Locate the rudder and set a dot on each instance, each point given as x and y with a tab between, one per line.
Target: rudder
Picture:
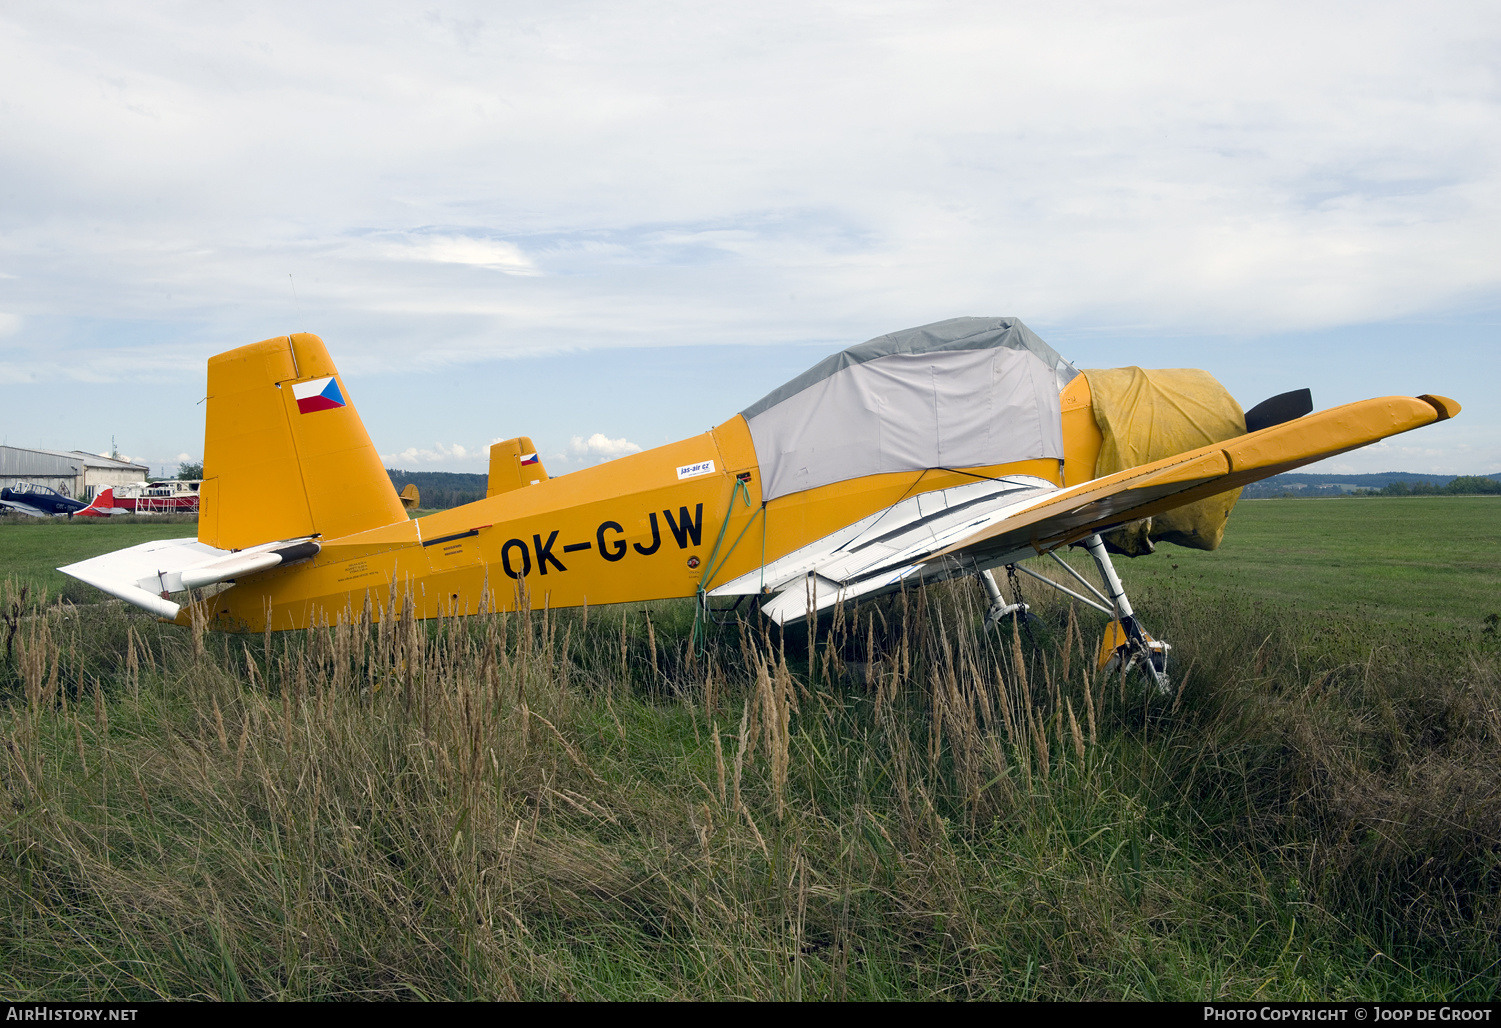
285	454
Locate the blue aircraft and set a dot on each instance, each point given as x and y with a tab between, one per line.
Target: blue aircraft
40	501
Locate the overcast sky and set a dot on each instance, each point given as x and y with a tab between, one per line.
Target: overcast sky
609	225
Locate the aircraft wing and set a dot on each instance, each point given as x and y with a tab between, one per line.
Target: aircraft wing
24	508
1141	492
965	530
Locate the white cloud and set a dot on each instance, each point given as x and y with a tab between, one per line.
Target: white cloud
494	254
439	454
507	179
657	174
600	447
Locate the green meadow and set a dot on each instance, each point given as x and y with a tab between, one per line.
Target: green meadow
31	549
581	804
1405	563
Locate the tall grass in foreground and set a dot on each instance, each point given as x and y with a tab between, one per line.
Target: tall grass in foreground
574	805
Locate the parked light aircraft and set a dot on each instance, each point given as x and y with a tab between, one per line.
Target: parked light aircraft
936	452
41	502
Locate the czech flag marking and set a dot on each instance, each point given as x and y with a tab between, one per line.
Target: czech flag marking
529	458
319	394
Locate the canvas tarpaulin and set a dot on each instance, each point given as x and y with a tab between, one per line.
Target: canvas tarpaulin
962	393
1146	416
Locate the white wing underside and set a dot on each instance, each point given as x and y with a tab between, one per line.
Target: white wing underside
878	553
147	574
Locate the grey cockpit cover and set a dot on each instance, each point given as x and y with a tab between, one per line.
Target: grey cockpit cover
962	393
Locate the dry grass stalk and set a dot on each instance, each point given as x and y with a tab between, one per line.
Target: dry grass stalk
456	808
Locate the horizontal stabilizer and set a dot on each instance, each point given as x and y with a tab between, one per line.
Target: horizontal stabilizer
248	562
146	575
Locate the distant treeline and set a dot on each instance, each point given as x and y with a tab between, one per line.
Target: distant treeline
441	489
1461	485
1389	483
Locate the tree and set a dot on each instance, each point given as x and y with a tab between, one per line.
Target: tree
187	471
1474	484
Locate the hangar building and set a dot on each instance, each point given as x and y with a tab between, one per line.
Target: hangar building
71	472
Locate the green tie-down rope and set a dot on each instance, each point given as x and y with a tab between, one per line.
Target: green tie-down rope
715	564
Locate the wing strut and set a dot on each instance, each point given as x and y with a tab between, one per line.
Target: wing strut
1065	590
1124	638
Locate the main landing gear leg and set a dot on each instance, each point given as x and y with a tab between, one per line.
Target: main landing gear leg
999	608
1124	639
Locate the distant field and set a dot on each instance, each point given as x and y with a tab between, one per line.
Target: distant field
31	548
1435	561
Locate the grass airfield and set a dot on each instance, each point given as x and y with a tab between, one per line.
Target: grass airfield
31	549
1430	565
561	805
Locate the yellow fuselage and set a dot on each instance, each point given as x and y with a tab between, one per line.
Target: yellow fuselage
626	530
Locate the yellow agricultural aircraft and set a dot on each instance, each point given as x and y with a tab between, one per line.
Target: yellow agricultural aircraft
927	454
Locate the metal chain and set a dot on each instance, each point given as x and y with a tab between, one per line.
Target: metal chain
1021	610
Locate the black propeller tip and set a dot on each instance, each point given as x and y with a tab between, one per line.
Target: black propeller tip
1279	409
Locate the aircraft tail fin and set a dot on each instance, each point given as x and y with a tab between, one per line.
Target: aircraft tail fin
514	463
285	454
102	505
